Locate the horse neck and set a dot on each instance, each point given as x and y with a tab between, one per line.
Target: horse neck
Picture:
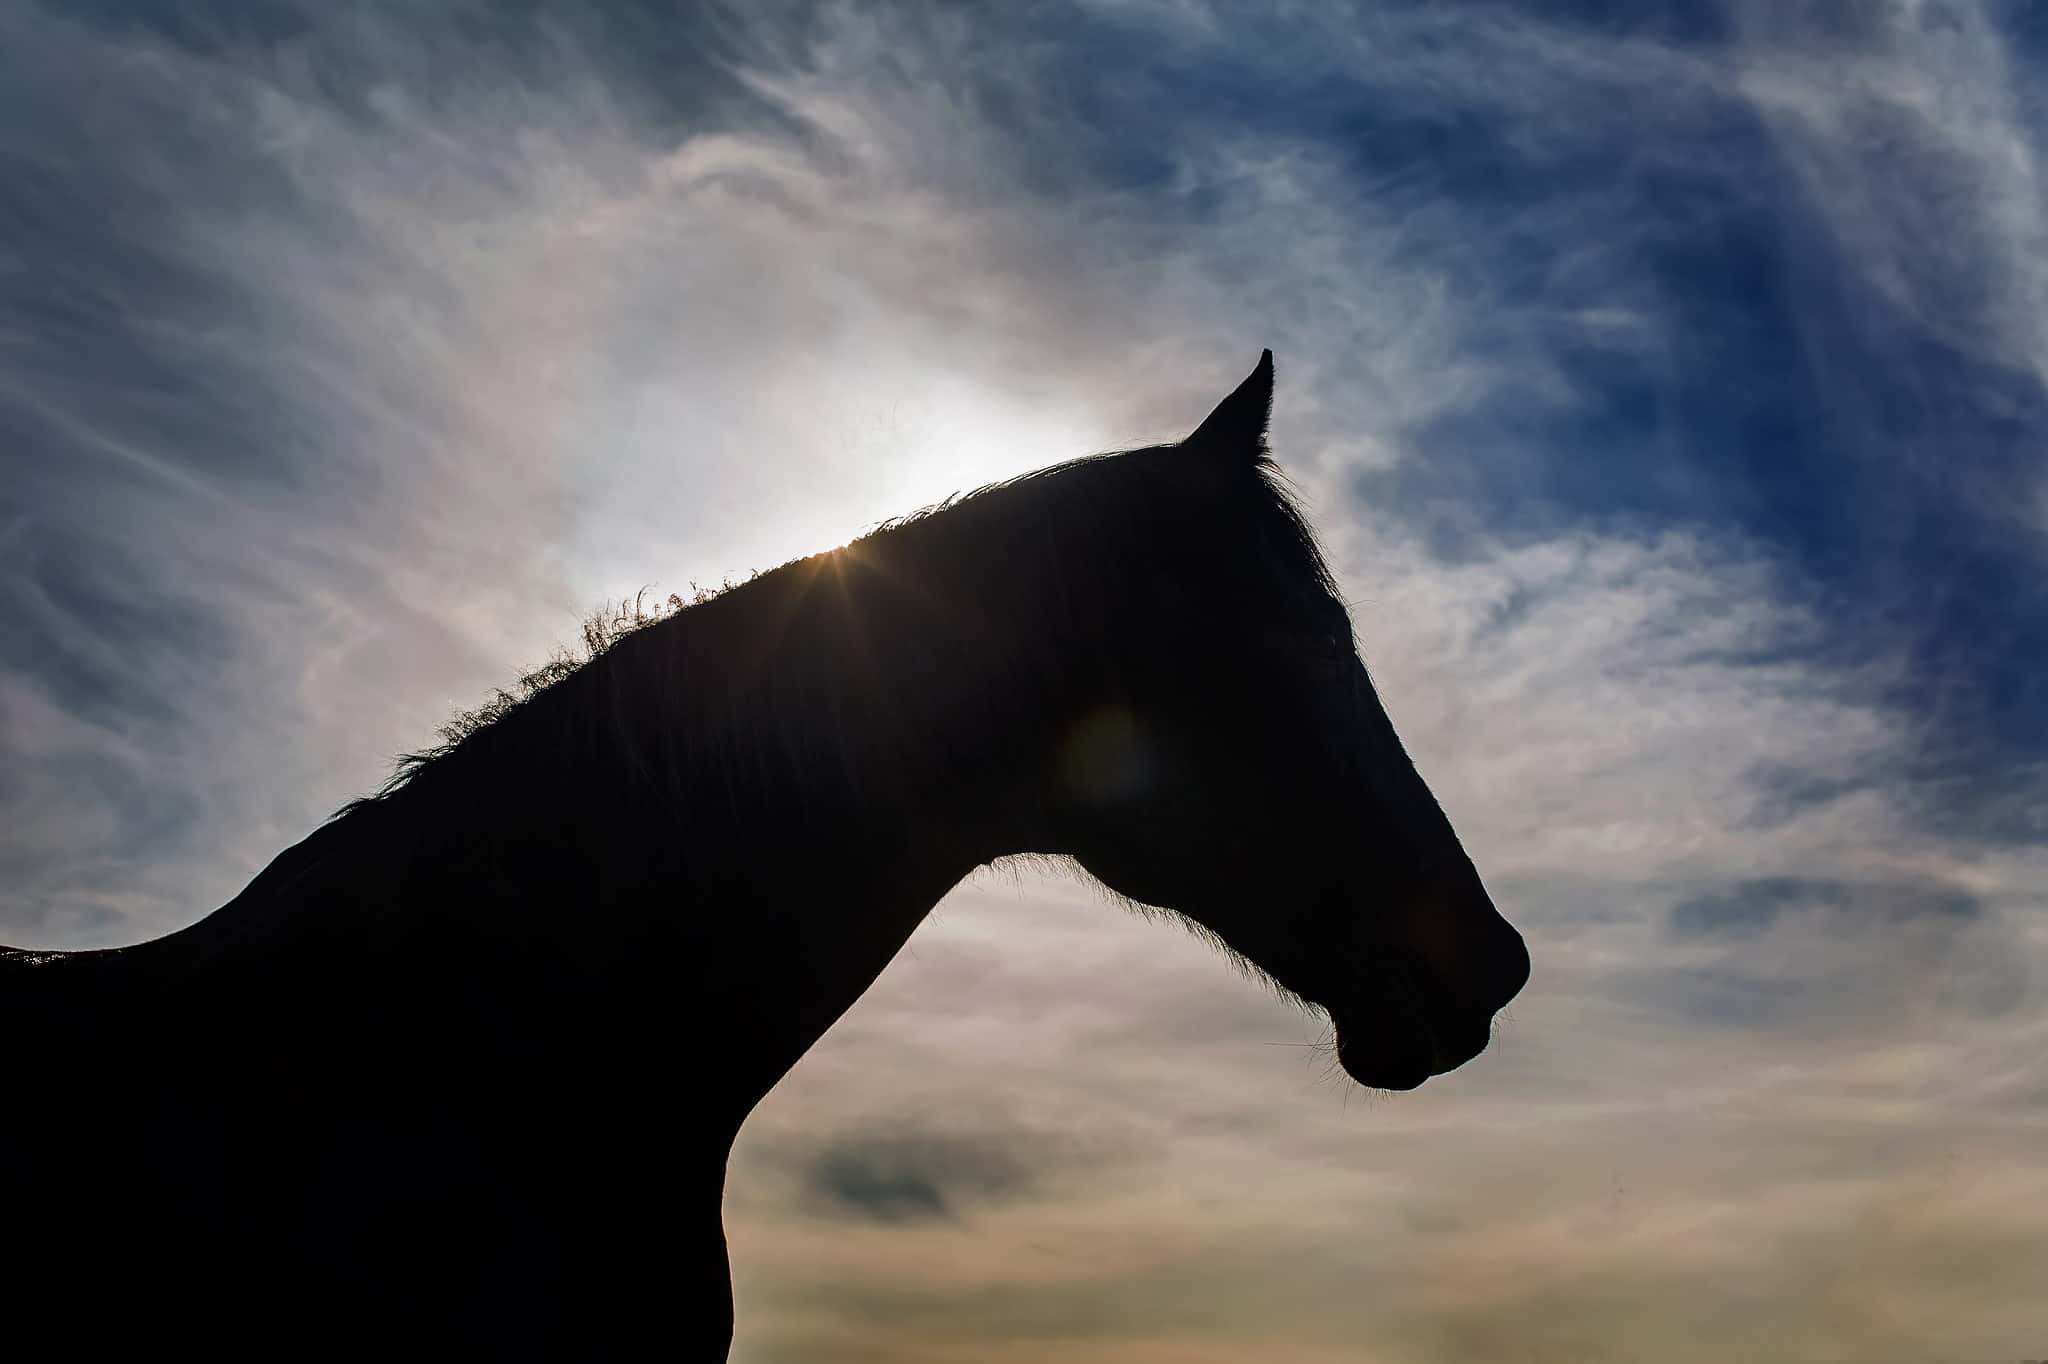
856	733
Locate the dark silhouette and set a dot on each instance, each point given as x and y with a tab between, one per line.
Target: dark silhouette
459	1072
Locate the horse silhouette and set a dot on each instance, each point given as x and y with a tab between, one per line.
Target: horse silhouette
460	1071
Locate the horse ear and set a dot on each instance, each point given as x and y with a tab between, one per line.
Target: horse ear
1237	428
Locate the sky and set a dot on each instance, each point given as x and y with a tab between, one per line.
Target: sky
1667	382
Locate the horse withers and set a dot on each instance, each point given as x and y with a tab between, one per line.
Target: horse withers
460	1072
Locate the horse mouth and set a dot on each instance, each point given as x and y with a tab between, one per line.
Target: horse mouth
1406	1030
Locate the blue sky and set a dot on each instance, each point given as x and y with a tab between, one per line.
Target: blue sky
1667	381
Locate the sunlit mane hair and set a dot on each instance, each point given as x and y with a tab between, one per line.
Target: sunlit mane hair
602	629
1079	521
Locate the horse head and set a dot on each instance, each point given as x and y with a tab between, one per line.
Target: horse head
1237	767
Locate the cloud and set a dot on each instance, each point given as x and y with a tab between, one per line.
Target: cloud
904	1179
895	1172
1752	907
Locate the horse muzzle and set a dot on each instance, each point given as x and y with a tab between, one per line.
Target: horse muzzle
1408	1020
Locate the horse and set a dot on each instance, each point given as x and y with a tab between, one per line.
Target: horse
461	1070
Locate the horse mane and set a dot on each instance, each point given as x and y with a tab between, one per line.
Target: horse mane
603	628
1053	497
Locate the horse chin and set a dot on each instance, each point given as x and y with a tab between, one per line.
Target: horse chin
1386	1053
